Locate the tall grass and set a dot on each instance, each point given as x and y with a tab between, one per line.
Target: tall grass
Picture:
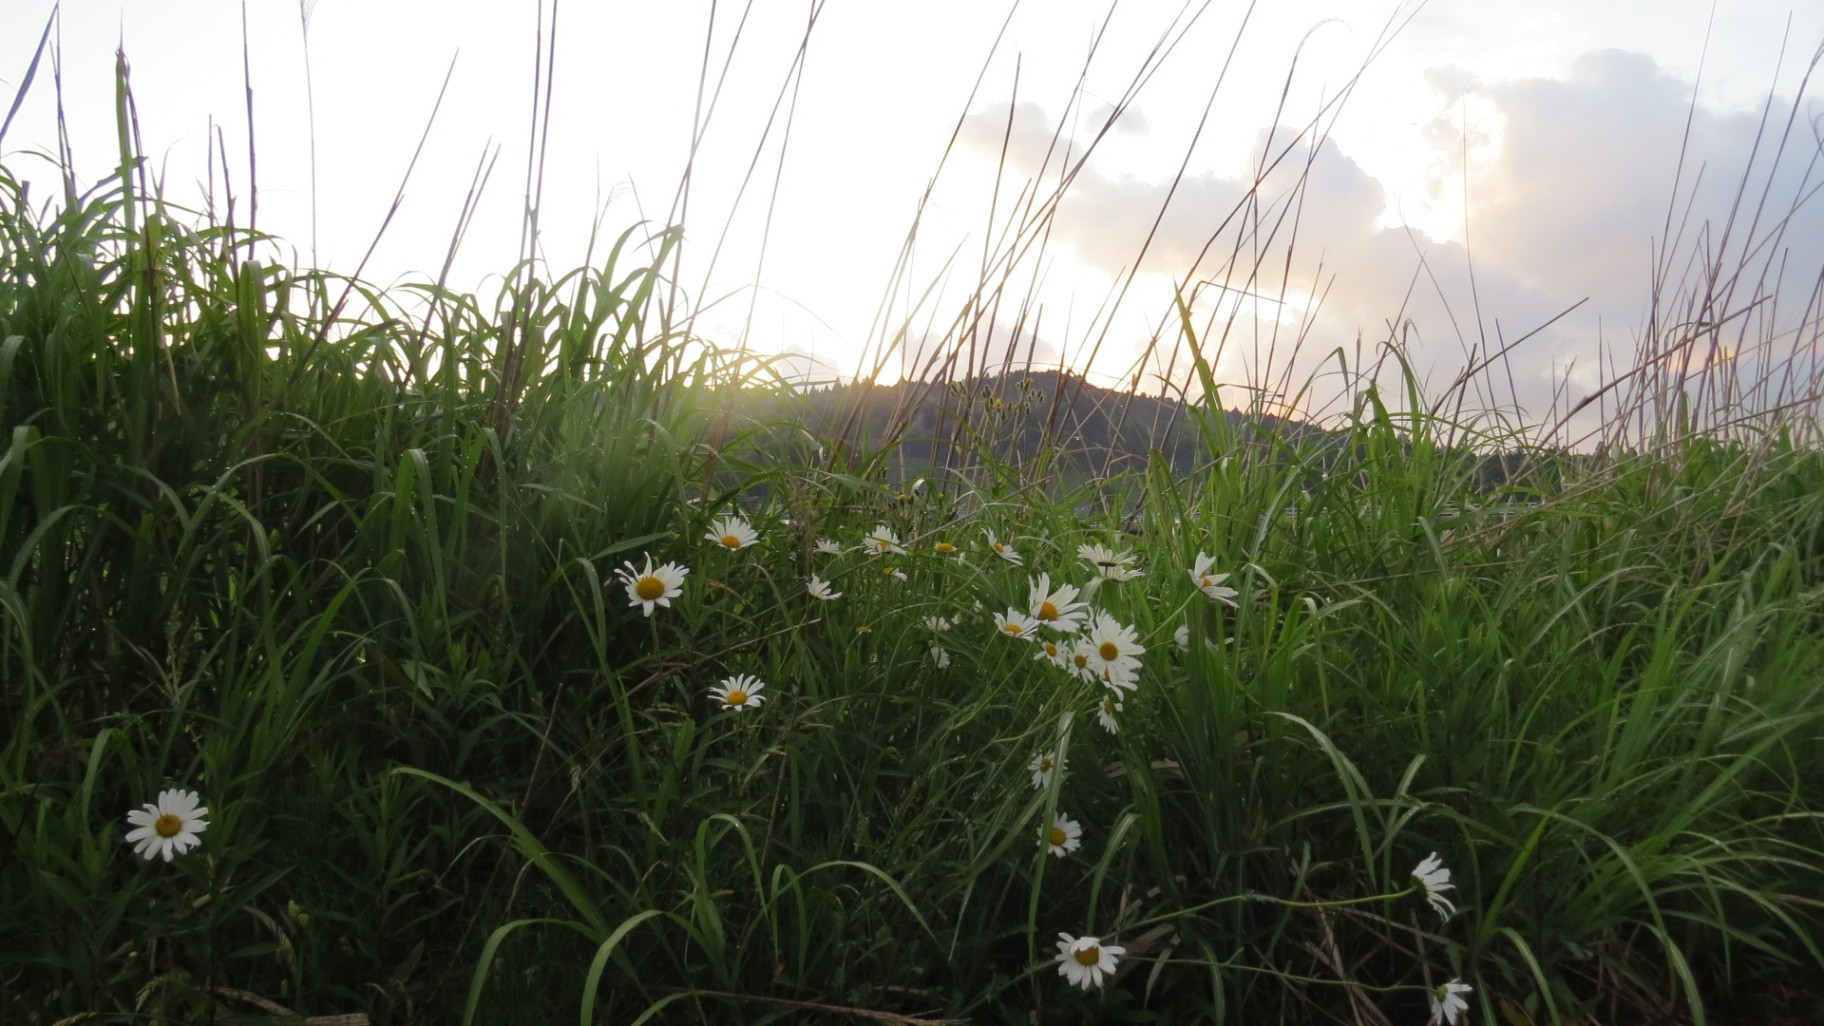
343	561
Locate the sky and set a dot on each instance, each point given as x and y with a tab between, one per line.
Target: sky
1312	177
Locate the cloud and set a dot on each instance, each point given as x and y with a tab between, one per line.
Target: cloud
1373	282
1570	182
1576	202
1133	120
803	369
1029	138
994	349
1584	174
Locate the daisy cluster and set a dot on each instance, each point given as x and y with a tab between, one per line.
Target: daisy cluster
1068	626
1073	629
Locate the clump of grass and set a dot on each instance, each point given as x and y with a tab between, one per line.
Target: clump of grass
309	549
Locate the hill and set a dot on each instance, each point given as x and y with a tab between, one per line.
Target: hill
1055	422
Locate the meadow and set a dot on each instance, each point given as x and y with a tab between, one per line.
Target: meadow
525	680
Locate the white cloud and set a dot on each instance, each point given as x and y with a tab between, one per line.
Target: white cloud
992	349
1570	181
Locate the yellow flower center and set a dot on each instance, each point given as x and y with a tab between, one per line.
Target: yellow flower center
944	548
1208	580
731	541
1109	651
1090	955
1051	649
1057	835
864	629
997	546
883	545
168	825
1014	629
890	571
1048	611
649	588
1079	659
1045	764
737	697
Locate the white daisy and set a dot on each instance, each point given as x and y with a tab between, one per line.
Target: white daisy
732	533
894	572
1115	566
167	827
1065	836
1114	649
1097	555
1106	710
1043	766
1436	878
1447	1002
937	623
828	547
940	657
652	586
1121	676
1003	550
739	692
1059	609
944	548
1085	961
1182	637
1052	652
1078	661
1211	584
1015	624
881	541
818	588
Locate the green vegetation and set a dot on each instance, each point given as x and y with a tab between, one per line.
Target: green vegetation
344	563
